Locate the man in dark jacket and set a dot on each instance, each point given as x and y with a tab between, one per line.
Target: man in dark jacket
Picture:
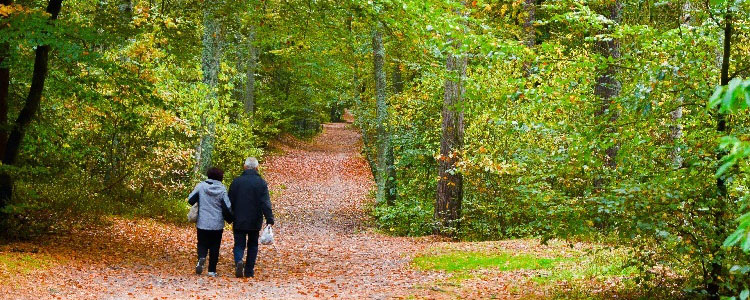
248	195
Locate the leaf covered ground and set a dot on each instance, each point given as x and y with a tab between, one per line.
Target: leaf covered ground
324	247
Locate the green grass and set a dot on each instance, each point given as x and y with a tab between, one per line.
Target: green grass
462	261
22	263
579	269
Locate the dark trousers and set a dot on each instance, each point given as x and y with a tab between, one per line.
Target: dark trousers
209	241
249	239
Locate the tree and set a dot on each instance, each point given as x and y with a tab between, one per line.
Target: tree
607	86
719	210
384	157
211	60
17	130
529	7
450	180
252	62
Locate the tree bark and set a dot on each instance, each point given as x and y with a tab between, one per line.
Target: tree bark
211	59
29	110
392	187
676	115
4	90
716	268
529	7
252	62
383	180
450	180
607	87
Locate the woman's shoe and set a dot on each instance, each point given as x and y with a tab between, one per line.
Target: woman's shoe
199	266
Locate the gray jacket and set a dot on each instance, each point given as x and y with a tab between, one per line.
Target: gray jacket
210	194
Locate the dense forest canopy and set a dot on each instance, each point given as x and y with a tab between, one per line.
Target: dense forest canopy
610	120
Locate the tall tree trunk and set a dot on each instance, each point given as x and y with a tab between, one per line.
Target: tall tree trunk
211	59
722	128
607	87
28	112
450	180
391	187
252	62
676	115
381	118
529	7
4	90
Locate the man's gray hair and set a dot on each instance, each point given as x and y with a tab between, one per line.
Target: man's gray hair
251	163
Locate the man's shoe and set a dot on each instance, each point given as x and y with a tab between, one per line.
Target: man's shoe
238	267
211	274
199	266
249	273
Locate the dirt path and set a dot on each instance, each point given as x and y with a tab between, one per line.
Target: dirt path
323	247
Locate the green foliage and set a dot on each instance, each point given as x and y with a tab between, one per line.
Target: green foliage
125	107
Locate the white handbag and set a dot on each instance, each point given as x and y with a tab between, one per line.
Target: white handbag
266	238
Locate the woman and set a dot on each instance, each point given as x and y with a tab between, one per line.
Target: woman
213	206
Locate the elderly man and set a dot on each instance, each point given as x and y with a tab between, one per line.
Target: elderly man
248	195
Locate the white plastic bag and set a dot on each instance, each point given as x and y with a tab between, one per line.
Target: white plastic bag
266	237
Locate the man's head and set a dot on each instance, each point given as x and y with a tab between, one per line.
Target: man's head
251	163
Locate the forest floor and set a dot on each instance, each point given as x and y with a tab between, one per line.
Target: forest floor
325	247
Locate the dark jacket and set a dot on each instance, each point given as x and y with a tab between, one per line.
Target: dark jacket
250	201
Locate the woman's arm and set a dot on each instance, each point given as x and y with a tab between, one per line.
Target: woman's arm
194	195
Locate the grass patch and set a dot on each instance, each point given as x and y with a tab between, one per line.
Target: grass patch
462	261
22	263
555	271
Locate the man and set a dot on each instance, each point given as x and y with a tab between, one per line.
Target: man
248	195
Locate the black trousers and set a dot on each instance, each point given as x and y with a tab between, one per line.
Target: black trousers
247	239
209	242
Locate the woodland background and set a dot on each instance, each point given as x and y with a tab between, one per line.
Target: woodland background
582	120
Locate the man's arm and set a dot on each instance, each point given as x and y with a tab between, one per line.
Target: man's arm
231	195
265	205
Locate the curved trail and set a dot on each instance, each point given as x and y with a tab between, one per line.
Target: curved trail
324	248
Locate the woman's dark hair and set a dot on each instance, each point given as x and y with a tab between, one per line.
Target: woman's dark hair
215	174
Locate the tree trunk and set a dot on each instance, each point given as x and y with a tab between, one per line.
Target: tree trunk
28	112
392	188
211	59
716	269
381	118
450	181
676	115
4	90
529	7
608	87
250	73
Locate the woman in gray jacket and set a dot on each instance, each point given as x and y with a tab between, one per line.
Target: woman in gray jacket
213	207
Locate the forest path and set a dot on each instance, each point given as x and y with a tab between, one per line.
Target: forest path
324	248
